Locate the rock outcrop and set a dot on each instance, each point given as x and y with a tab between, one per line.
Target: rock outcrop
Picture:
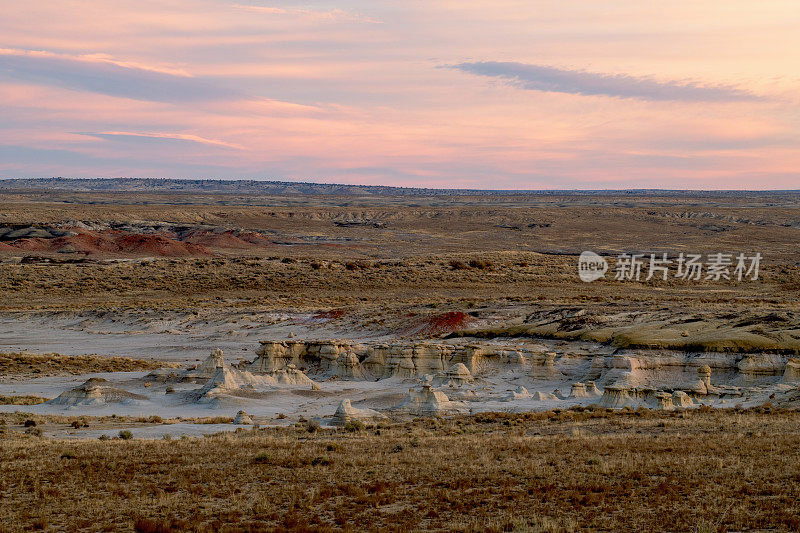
578	390
455	376
703	384
426	402
760	368
791	373
96	392
520	393
346	413
681	399
543	365
543	396
290	375
664	401
207	368
242	418
592	391
231	384
407	359
347	366
617	397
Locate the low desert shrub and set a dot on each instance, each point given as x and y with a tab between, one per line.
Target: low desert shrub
353	426
261	458
481	264
125	434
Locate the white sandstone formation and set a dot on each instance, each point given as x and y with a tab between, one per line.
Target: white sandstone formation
96	392
520	393
578	390
542	365
681	399
426	402
592	391
791	373
229	383
543	396
348	367
346	412
634	369
513	357
291	375
664	400
617	397
207	368
596	368
456	376
758	368
464	395
242	419
375	362
270	356
703	385
221	382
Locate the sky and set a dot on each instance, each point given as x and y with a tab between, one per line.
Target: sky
501	94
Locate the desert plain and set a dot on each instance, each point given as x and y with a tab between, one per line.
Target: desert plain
223	356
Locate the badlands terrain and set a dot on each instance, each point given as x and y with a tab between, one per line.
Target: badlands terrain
284	356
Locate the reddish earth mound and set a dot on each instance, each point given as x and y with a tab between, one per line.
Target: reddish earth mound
157	245
440	324
31	245
227	239
86	243
111	242
324	316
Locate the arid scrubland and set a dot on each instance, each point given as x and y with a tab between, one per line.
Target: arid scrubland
553	471
471	302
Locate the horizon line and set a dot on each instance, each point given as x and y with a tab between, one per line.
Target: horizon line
399	187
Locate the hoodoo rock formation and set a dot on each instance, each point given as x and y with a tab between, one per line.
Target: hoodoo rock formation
346	413
427	402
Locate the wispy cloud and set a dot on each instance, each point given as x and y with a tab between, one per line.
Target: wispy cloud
553	79
139	136
333	15
105	75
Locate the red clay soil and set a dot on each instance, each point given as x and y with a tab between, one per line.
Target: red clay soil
324	316
157	245
109	242
87	243
440	324
30	245
227	239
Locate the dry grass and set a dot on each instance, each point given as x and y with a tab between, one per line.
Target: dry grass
21	400
710	471
24	365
